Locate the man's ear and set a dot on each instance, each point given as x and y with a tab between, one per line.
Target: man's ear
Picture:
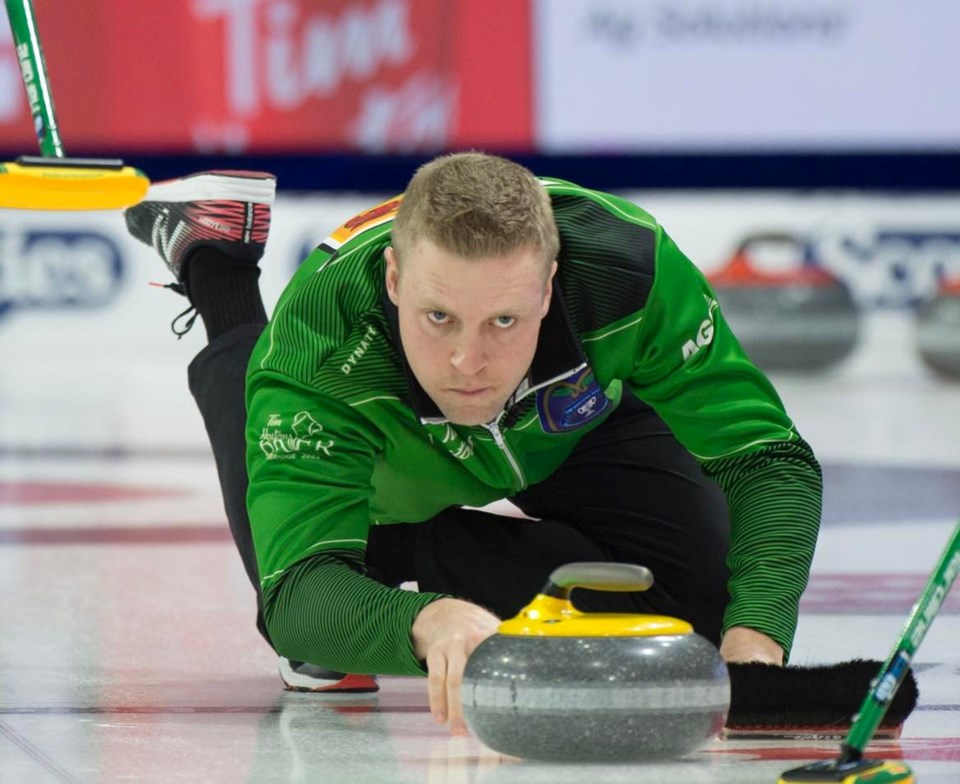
392	274
548	293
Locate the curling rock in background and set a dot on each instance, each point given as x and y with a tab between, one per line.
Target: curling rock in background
800	319
938	330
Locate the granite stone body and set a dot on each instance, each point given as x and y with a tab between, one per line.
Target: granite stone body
938	333
596	698
796	326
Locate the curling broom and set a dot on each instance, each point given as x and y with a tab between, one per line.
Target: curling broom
851	767
52	181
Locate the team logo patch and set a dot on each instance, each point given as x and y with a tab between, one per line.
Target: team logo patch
571	402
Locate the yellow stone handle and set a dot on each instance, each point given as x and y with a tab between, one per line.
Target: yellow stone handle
551	614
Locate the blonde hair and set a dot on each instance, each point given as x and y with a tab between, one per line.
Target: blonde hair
476	205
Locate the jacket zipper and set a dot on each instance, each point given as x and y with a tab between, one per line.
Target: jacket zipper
494	428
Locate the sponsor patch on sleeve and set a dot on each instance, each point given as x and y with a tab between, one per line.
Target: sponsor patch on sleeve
301	436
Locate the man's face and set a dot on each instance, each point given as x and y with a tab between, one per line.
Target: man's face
469	327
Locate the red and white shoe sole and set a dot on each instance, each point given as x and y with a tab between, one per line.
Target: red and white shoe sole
348	684
222	185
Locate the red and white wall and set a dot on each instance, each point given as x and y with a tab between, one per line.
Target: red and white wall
572	76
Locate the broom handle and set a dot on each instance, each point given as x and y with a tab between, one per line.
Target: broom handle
34	72
885	685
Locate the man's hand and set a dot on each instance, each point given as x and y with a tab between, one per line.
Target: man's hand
741	645
444	635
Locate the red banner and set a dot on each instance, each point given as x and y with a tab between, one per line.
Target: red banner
279	75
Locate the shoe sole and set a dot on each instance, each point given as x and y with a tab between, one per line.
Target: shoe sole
254	187
348	684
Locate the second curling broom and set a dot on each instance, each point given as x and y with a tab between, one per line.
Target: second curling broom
851	767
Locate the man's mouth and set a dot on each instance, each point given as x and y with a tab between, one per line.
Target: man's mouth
469	392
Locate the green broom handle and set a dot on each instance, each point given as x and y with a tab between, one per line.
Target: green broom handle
885	685
34	72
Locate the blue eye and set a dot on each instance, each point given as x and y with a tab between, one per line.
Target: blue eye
438	317
504	321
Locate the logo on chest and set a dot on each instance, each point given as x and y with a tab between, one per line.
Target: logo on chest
571	402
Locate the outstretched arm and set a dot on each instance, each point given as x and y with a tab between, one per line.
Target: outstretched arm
325	612
691	369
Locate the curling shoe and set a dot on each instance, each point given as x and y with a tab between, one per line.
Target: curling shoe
226	210
303	676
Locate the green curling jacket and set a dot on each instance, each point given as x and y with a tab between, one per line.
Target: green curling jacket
341	437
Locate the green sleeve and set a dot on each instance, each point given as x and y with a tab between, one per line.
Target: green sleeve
774	496
310	462
326	612
694	373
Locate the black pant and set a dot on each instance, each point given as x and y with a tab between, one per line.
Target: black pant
629	492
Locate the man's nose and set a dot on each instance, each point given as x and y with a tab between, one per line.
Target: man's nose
470	355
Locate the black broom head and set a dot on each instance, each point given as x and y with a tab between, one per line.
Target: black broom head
809	703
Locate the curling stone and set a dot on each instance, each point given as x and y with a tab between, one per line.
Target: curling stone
938	330
801	319
559	684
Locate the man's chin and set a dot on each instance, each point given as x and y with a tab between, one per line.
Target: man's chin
471	415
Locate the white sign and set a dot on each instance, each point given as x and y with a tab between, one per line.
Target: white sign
743	75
